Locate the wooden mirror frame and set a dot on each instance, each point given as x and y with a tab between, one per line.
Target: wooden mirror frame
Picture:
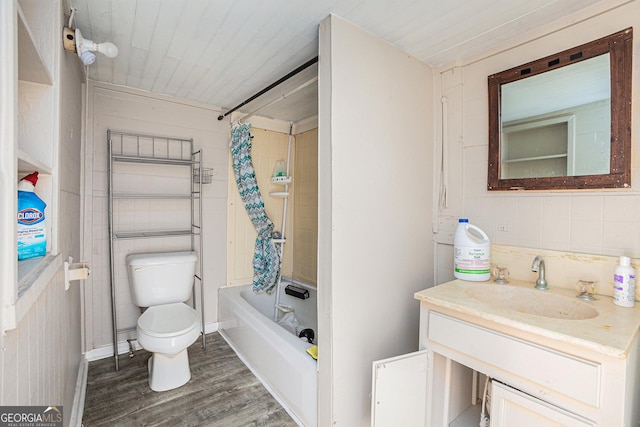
620	48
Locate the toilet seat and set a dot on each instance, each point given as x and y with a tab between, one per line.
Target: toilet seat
168	320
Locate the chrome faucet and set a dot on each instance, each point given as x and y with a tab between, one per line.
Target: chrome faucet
538	266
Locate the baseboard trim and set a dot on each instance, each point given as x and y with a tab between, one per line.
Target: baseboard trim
77	410
106	351
211	327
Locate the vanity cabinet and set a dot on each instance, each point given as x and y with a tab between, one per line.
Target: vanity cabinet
544	371
511	407
556	376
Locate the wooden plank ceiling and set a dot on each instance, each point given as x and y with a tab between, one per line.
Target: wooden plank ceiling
220	52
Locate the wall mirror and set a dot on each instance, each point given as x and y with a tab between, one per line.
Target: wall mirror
564	121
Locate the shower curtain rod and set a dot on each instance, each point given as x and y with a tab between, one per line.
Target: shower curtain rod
271	86
280	98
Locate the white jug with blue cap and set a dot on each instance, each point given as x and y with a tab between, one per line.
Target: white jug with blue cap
472	253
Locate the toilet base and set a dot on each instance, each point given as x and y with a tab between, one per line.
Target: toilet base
168	372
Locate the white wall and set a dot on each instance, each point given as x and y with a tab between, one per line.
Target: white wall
375	192
113	107
40	360
595	222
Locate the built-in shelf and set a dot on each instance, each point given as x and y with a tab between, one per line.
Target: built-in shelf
538	147
28	269
34	118
32	68
529	159
31	65
27	164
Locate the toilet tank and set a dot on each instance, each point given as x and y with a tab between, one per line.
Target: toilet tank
161	278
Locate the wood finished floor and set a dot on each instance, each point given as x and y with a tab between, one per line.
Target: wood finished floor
222	392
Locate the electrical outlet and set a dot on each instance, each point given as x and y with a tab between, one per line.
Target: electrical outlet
503	227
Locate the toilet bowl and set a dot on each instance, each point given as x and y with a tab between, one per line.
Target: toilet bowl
162	282
167	331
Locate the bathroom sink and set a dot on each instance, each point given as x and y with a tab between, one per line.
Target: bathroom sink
532	301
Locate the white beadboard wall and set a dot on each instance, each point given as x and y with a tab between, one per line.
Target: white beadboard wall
591	222
118	108
42	356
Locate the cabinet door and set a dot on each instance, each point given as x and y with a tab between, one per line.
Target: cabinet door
399	395
510	407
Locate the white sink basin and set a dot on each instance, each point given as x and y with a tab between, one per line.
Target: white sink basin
532	301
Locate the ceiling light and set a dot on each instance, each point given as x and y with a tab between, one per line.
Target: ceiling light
85	48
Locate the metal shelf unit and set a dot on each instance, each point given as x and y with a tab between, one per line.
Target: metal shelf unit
127	147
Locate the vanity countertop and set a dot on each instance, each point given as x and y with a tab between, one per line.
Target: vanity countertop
612	332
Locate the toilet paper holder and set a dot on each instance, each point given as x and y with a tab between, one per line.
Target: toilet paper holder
77	271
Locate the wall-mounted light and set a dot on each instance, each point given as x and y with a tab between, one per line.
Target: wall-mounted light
85	48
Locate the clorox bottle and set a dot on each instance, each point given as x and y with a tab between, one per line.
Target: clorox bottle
32	229
472	253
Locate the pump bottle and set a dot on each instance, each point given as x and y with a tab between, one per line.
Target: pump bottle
624	283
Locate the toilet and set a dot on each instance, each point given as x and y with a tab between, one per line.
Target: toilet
161	282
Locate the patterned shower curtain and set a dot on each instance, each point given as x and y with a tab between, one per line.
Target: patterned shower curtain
266	258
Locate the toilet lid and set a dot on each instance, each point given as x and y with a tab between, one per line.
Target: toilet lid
168	320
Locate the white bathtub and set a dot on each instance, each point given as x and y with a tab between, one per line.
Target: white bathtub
277	357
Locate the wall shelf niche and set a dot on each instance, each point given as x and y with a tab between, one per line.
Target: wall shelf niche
31	64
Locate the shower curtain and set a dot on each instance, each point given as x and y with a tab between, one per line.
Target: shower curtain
266	257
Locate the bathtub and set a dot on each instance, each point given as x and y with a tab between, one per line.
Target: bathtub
276	356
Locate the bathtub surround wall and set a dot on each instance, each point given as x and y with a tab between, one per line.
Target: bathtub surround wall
41	359
589	222
114	107
267	260
300	251
267	147
305	208
374	203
